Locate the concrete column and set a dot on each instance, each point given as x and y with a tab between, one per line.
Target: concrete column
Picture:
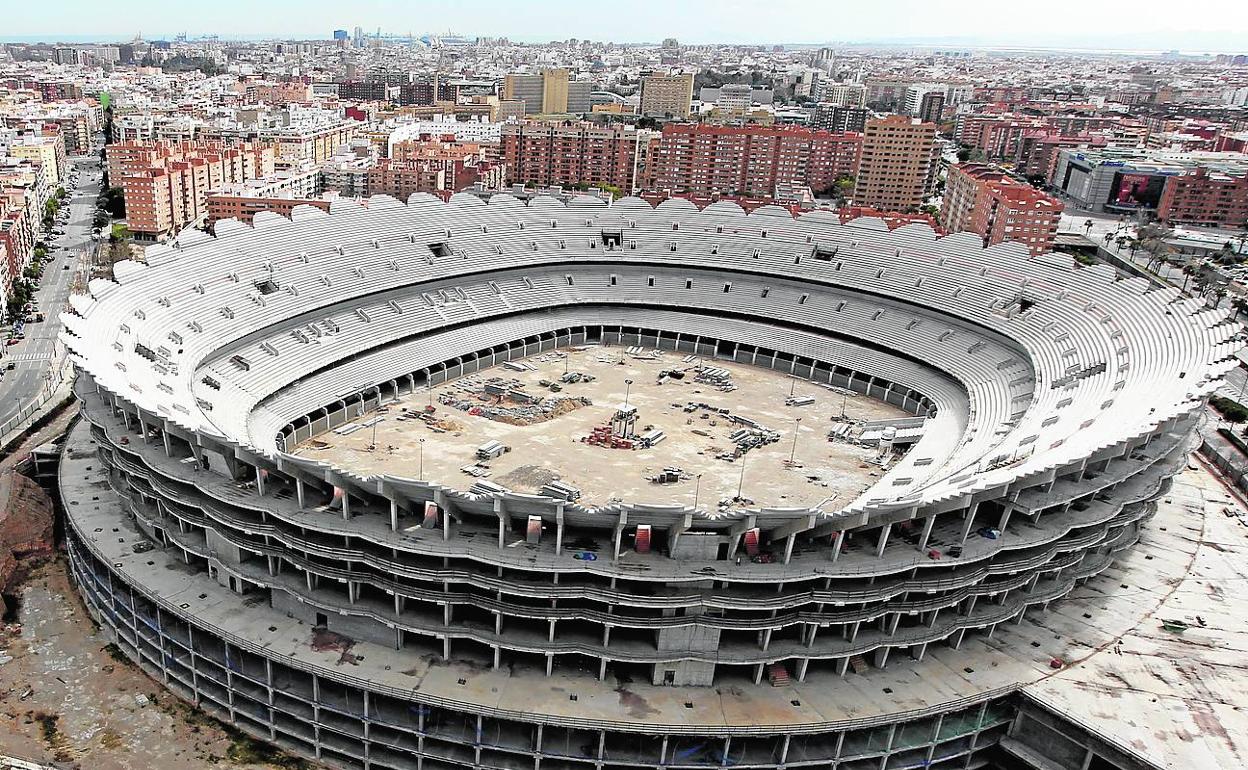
838	539
346	504
788	547
883	541
558	529
970	521
299	493
501	513
259	476
927	532
394	516
618	538
881	656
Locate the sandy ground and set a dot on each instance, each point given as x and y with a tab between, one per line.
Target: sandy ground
82	707
824	471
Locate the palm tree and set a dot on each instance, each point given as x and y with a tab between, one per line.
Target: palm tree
1087	226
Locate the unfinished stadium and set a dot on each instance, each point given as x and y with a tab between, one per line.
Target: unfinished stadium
505	485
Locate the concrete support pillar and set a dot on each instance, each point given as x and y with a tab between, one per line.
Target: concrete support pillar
881	656
838	540
299	492
618	537
558	529
969	521
842	666
955	641
788	547
260	479
346	504
918	651
501	512
927	532
883	541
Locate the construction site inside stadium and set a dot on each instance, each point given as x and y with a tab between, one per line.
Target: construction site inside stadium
571	486
611	423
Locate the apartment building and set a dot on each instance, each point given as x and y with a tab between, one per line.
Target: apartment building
166	185
1211	197
44	149
550	92
572	153
897	163
838	119
432	165
296	145
667	96
750	160
982	199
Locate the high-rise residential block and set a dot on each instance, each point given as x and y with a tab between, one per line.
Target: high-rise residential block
550	92
667	96
572	153
838	119
750	160
897	163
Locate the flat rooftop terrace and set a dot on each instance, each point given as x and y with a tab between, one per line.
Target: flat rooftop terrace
824	474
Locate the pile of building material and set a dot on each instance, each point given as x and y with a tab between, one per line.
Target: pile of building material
486	488
560	490
751	435
637	351
716	377
669	475
603	436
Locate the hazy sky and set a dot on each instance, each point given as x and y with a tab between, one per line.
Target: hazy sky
1207	25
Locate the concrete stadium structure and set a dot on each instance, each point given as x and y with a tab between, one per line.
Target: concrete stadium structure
390	622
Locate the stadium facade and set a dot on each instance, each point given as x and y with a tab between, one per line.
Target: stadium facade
393	622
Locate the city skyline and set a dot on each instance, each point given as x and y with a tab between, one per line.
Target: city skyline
1067	25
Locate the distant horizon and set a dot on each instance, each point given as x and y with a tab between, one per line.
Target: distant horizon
1106	25
191	38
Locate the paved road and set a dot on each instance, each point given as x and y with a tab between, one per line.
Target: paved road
32	357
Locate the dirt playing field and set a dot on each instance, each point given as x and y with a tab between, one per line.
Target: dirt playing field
548	445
